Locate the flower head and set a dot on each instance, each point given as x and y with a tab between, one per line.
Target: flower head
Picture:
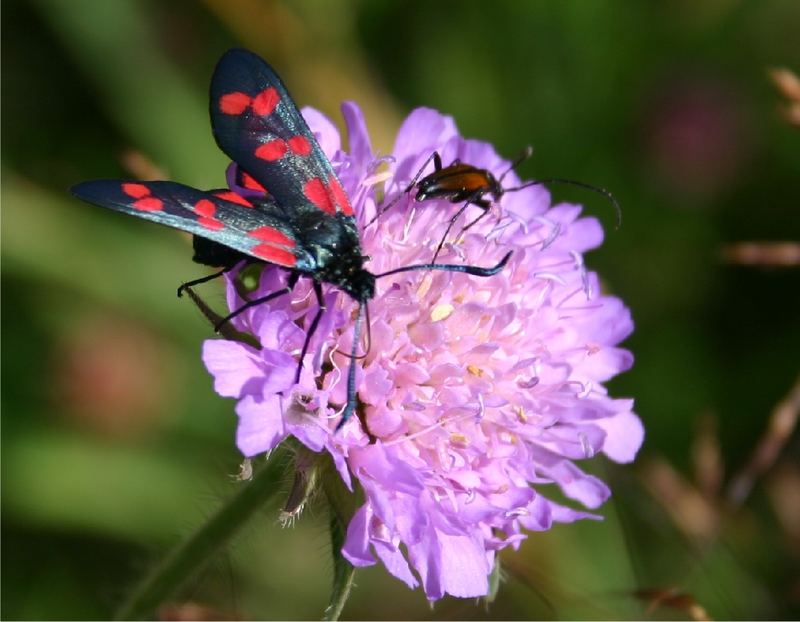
478	394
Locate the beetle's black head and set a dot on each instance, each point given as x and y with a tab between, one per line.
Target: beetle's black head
494	186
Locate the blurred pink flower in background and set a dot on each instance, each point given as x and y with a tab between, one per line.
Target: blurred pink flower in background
697	135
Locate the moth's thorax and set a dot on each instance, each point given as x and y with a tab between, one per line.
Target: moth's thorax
335	255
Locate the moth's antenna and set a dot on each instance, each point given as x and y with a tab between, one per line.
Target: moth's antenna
351	372
467	269
369	340
369	330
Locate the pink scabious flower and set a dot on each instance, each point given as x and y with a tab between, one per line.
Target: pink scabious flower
479	394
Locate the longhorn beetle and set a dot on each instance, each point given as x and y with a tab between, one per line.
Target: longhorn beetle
460	181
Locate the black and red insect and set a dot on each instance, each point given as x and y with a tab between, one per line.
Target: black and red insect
460	181
298	216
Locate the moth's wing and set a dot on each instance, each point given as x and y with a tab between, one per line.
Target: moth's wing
256	229
257	124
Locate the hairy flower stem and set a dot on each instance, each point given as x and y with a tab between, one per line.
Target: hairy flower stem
343	571
192	554
341	506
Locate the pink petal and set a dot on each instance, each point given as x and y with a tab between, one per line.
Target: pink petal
323	129
452	564
356	544
260	427
419	134
358	142
624	436
396	564
235	366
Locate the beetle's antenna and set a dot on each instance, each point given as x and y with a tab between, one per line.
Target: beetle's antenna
526	153
570	182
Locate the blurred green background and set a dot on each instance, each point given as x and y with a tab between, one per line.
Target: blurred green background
115	447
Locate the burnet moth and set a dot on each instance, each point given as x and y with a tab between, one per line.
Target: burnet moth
298	216
460	181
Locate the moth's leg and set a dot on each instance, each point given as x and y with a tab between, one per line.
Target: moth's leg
204	279
257	301
311	329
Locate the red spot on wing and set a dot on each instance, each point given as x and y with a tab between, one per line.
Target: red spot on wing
206	210
233	198
317	193
299	145
149	204
211	223
250	183
264	103
137	191
276	148
272	235
204	207
272	150
340	196
273	254
234	103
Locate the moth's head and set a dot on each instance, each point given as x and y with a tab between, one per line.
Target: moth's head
360	285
